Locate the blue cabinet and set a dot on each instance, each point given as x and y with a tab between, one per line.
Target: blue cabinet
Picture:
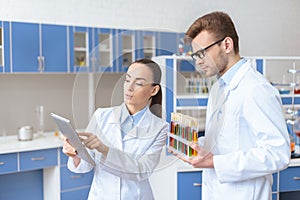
104	51
126	41
73	184
81	44
290	179
31	160
54	48
8	163
25	47
70	180
34	47
146	44
167	43
80	194
38	48
189	185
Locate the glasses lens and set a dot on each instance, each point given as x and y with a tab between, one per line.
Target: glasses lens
198	55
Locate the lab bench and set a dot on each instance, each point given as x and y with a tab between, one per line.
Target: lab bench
37	170
286	183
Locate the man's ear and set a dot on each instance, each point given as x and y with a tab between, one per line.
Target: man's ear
228	44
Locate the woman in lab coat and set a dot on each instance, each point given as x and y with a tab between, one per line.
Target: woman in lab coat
246	137
125	141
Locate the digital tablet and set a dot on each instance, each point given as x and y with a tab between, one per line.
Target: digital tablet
64	125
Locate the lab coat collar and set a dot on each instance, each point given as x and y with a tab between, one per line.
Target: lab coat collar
140	129
232	85
239	75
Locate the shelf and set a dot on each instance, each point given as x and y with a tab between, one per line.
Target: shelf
79	49
105	50
127	50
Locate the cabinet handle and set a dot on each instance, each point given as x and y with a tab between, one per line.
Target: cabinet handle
2	163
197	184
38	158
41	63
296	178
76	176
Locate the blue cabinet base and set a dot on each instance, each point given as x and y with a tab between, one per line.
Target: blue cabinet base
25	185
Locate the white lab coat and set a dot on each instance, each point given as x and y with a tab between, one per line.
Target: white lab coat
123	175
247	133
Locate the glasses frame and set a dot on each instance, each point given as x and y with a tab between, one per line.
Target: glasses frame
200	54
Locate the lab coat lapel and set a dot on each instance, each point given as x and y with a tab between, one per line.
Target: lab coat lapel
113	123
215	120
217	116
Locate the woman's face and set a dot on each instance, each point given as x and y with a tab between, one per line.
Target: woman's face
138	87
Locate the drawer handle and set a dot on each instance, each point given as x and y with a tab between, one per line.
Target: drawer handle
197	184
38	158
2	163
296	178
76	176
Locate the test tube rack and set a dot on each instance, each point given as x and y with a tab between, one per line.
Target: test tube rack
183	131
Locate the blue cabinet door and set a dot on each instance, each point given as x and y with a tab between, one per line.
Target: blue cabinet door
54	48
104	50
80	47
290	179
25	47
143	47
6	46
189	185
167	43
71	180
125	49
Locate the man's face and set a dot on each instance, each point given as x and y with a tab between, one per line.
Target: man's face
214	60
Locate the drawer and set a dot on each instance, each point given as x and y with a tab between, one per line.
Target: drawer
289	179
71	180
38	159
8	163
81	194
189	185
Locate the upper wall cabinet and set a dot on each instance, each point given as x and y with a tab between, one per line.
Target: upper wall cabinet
167	43
104	51
1	47
126	40
38	48
146	44
81	44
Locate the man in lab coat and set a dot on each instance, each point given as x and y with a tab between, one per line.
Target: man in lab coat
246	138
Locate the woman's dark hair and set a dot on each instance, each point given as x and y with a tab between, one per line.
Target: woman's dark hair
156	101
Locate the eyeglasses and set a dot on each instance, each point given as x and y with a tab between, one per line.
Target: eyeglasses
200	54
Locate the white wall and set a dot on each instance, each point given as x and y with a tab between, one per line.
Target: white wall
266	28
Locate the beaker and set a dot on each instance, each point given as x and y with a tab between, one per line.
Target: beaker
40	119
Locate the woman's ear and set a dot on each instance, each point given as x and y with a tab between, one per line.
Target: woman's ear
155	90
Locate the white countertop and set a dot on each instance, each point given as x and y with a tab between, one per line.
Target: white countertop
11	144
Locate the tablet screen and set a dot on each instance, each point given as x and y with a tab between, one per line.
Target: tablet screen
64	125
